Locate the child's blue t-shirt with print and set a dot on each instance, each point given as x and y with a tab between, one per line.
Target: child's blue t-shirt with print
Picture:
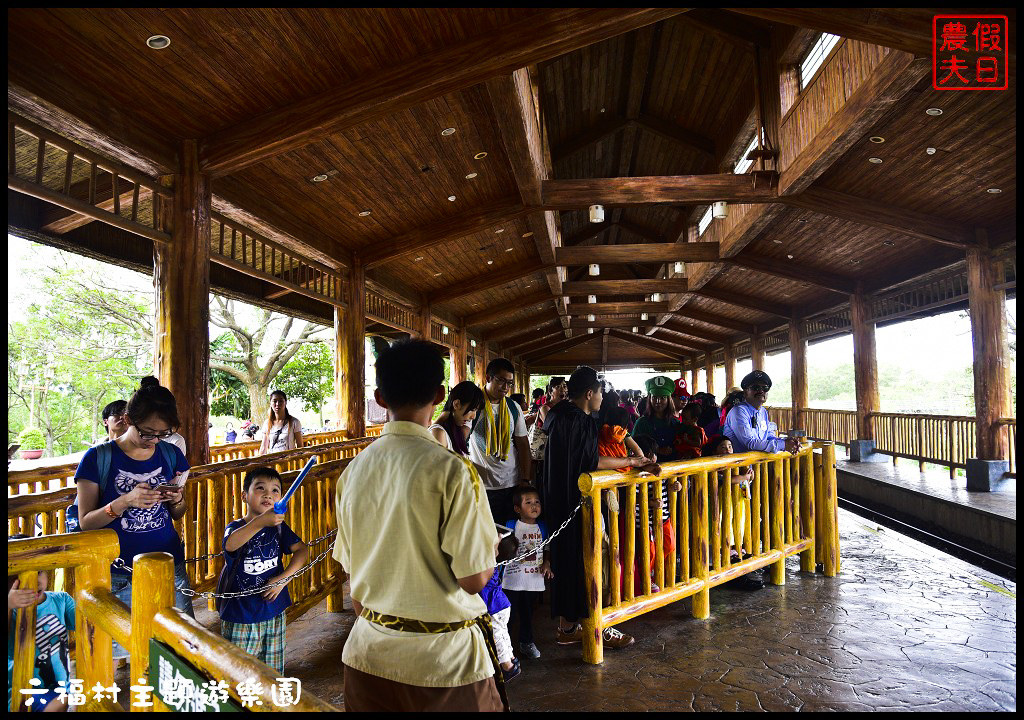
53	618
138	530
260	560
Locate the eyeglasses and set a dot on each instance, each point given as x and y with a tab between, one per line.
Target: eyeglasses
760	388
154	436
503	383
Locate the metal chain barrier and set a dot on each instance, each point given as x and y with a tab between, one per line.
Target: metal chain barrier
544	544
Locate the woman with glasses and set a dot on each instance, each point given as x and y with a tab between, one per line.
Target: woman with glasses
284	432
134	486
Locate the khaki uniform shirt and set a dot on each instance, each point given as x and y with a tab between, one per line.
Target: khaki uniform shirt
411	519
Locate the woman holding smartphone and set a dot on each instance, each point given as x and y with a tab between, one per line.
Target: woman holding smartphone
134	486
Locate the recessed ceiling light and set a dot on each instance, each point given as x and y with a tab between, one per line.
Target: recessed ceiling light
499	231
364	213
319	178
994	191
890	243
419	258
158	42
480	156
527	234
451	198
471	176
777	241
508	249
490	262
437	274
790	257
448	131
875	160
855	262
930	151
934	112
877	139
601	110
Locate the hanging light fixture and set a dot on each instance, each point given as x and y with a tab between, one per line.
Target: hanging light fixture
636	329
643	316
592	299
590	331
720	210
444	329
656	297
472	343
679	267
596	213
594	270
591	318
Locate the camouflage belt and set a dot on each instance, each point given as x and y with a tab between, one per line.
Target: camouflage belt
435	628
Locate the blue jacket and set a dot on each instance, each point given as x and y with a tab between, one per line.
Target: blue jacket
750	430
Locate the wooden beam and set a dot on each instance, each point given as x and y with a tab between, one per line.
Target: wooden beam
699	333
584	237
454	228
604	350
507	329
496	313
514	104
642	253
624	287
484	281
688	343
865	363
729	27
352	360
667	349
620	322
797	369
746	301
612	308
730	368
546	329
679	135
558	347
60	221
383	94
797	273
881	215
674	189
544	339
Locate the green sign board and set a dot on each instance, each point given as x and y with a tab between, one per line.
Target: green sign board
183	688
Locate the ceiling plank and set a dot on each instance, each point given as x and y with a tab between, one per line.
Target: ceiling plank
537	342
484	281
608	126
495	313
624	287
382	94
612	308
746	301
796	273
527	323
881	215
755	187
642	253
546	329
451	229
669	350
727	26
611	323
557	347
712	319
679	135
699	333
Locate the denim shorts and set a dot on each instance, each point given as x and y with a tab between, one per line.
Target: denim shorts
121	587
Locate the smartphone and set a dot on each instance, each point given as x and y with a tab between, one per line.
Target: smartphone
168	488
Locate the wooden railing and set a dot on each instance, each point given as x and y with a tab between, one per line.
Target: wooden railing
235	451
778	520
781	416
101	617
839	426
1010	428
943	439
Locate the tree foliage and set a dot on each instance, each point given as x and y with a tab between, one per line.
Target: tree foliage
309	376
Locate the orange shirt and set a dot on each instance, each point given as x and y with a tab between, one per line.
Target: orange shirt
611	442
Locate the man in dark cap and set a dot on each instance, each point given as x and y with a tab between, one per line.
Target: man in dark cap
747	424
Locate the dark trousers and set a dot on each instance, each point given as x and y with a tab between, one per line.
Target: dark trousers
500	501
522	610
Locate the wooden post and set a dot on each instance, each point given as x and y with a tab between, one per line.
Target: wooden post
478	367
693	378
988	336
798	368
709	371
829	512
422	320
865	362
485	357
152	591
23	665
756	352
730	368
777	572
352	354
806	530
181	278
458	356
701	602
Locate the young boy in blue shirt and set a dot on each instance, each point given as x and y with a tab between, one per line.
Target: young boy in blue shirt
253	547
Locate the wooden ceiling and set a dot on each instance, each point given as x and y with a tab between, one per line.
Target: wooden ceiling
278	97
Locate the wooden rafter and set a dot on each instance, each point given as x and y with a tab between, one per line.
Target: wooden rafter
699	333
557	347
712	319
484	281
545	329
421	79
625	287
727	26
749	302
643	253
496	313
796	273
583	309
670	350
508	329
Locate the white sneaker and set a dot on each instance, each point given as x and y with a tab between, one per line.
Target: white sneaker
614	638
529	650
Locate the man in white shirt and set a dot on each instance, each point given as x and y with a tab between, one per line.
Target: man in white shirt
498	441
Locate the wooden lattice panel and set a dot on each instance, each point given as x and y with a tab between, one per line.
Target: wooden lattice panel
388	312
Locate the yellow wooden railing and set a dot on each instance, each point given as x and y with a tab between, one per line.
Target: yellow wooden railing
792	510
100	617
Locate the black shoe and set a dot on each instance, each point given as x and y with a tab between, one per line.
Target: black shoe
749	582
513	672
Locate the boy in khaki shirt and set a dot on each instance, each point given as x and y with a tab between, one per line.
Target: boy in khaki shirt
416	536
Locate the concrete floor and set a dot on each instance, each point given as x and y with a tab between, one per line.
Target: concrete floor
904	627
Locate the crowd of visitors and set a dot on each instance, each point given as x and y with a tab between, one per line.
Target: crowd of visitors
441	493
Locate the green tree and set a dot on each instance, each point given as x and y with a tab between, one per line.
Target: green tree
309	376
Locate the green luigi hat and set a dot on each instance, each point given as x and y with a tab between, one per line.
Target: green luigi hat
660	386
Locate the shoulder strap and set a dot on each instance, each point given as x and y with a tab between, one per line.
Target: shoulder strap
104	454
513	408
167	453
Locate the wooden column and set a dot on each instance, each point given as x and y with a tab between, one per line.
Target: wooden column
422	329
485	357
798	367
988	336
693	378
478	366
865	362
459	356
730	368
709	370
756	352
352	353
181	277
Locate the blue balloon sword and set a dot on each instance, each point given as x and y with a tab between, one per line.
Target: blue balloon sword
281	506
